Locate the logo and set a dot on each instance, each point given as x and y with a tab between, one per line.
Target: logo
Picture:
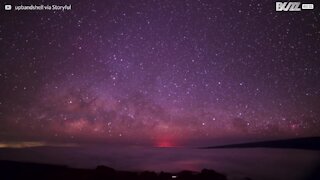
7	7
292	6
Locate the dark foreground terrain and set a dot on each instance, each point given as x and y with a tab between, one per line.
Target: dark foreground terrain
32	171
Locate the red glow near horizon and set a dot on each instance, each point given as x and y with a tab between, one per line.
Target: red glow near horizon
165	144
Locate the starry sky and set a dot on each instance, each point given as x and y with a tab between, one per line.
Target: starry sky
162	73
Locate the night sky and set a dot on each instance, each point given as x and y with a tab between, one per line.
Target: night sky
161	73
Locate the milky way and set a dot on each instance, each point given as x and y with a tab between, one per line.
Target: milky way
163	72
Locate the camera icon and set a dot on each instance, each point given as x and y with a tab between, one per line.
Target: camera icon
7	7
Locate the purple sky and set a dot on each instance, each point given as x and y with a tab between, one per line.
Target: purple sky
165	73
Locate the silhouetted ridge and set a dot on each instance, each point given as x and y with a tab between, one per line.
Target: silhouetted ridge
309	143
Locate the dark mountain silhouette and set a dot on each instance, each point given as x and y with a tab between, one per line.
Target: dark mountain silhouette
11	170
307	143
